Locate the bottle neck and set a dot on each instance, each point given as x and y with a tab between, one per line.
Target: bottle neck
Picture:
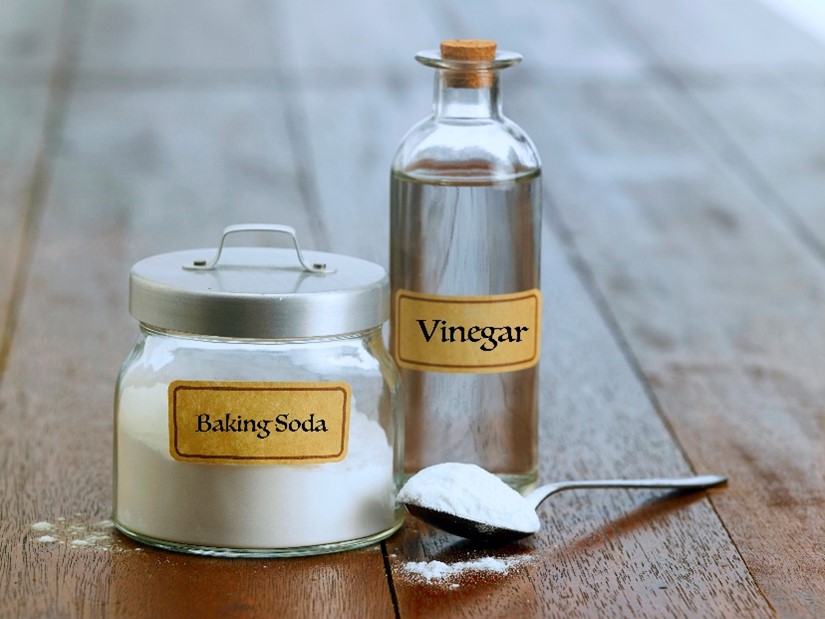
467	95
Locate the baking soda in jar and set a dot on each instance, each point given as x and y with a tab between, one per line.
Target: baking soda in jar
257	413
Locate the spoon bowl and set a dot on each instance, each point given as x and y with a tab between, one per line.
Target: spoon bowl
465	527
464	524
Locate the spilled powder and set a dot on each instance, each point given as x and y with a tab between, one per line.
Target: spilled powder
467	491
438	571
79	532
46	539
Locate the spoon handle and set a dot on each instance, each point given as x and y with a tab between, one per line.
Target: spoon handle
537	496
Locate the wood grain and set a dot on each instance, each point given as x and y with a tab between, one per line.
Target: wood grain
634	554
22	116
734	37
138	172
30	41
334	42
784	152
143	152
558	39
587	385
185	41
720	305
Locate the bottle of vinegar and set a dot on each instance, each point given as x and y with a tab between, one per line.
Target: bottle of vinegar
464	271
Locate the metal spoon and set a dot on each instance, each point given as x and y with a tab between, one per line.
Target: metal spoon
488	532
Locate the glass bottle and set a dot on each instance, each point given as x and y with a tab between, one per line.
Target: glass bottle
464	273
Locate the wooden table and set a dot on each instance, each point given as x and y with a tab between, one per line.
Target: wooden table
683	144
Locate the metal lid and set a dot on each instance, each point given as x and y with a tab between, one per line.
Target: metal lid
257	292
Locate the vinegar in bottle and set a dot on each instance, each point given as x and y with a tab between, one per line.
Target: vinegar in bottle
464	270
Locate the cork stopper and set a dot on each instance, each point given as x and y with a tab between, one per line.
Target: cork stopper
469	50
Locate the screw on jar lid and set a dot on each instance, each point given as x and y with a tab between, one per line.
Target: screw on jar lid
258	292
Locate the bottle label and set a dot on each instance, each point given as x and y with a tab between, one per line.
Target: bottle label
498	333
258	422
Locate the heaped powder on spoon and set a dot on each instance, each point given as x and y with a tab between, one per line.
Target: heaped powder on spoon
468	491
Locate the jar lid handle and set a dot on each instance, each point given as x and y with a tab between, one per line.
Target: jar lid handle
203	265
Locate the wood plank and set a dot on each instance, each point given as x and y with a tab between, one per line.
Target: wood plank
770	128
612	554
352	145
137	173
776	131
337	42
33	54
718	37
387	91
30	37
559	38
23	113
174	165
327	46
719	303
186	40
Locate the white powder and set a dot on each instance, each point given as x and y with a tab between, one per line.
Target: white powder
468	491
79	532
438	570
247	506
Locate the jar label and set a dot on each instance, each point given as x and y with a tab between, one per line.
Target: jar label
258	422
498	333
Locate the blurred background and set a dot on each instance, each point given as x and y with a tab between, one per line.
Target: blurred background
152	115
678	137
683	144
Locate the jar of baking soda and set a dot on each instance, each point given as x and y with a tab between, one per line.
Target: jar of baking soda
256	414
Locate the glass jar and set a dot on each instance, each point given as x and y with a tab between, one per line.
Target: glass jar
465	213
256	414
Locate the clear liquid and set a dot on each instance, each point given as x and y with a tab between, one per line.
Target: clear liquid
468	237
